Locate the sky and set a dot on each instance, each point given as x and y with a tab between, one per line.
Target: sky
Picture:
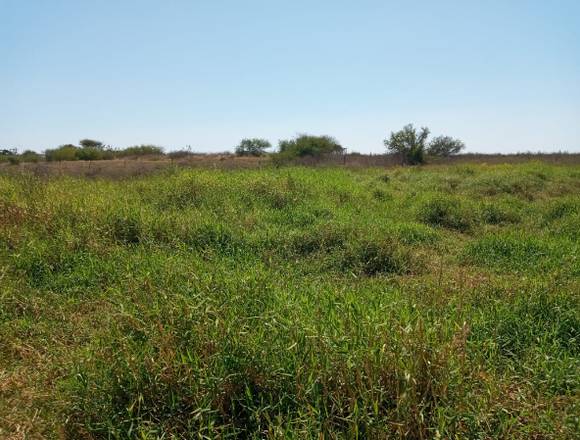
503	76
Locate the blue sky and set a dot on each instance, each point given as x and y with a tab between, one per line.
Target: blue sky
504	76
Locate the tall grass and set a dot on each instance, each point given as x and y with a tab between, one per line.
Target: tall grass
292	303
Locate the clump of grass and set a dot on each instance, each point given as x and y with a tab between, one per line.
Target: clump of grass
385	178
374	257
514	252
274	195
322	238
214	238
535	330
415	233
126	228
567	226
561	208
183	193
381	195
521	185
494	213
446	212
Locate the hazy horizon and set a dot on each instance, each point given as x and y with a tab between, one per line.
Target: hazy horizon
502	76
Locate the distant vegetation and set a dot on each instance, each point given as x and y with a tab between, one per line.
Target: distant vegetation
252	147
307	146
94	150
411	145
435	302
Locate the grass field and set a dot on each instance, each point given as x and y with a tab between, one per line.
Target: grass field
428	302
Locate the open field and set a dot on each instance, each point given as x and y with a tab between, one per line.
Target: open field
421	302
139	166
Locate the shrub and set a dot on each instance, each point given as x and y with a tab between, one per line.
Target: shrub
4	152
252	147
140	150
445	146
64	152
72	152
307	145
90	153
179	154
30	156
14	160
409	143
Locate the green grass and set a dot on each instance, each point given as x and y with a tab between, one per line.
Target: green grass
431	302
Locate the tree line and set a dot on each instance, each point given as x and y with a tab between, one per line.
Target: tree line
409	143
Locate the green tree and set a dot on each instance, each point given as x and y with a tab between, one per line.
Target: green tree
307	145
64	152
30	156
140	150
409	143
90	143
445	146
252	147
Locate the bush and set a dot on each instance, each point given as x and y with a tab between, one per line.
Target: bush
140	150
72	152
409	143
445	146
64	152
307	145
179	154
91	153
30	156
252	147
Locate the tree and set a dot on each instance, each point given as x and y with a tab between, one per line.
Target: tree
307	145
30	156
90	143
445	146
252	147
64	152
140	150
409	143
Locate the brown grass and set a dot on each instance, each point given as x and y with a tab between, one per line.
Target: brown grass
129	167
